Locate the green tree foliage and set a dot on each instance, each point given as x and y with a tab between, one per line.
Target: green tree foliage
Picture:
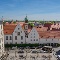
14	22
31	24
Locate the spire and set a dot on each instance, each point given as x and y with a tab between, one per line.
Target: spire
26	20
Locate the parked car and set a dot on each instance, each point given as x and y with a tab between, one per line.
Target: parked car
20	51
58	54
34	51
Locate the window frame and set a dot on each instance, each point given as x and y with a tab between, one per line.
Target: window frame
15	37
21	37
18	33
6	37
10	37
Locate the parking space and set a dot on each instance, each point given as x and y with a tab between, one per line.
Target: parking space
30	54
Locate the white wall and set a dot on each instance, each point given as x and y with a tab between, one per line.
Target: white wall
33	35
8	41
18	36
1	39
49	40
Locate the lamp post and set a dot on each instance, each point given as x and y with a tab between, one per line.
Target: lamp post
15	51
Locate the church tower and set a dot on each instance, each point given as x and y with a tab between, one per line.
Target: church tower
26	27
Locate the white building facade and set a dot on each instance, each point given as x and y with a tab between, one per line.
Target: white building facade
1	39
8	39
33	37
18	35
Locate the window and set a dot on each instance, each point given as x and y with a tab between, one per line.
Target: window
31	36
46	39
21	42
54	36
6	37
15	31
34	39
18	28
31	39
26	27
15	37
18	33
21	31
21	37
15	42
34	33
10	38
34	36
52	39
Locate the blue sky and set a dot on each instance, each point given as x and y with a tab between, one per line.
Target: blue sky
35	9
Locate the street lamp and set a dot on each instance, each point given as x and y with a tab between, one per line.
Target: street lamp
15	51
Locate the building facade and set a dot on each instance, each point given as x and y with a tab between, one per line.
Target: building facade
17	34
33	37
1	39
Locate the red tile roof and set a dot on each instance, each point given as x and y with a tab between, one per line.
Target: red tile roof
8	29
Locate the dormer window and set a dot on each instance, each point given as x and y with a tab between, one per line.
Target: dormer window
6	32
54	36
41	36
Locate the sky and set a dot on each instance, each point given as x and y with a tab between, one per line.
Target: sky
34	9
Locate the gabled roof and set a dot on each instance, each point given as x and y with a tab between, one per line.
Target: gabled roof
8	29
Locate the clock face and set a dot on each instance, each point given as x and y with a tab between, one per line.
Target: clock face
26	27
